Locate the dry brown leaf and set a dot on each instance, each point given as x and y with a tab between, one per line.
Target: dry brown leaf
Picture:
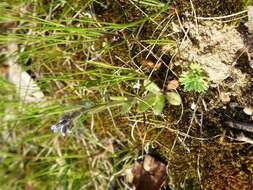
149	174
173	85
151	64
26	87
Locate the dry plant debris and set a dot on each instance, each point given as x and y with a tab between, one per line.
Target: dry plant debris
148	174
26	88
172	85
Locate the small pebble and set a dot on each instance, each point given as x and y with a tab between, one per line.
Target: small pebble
193	106
233	104
225	97
248	110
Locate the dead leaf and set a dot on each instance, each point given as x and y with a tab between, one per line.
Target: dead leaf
148	174
151	64
173	85
174	98
26	87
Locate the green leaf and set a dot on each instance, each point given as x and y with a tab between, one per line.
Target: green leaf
173	98
194	79
118	98
154	101
126	107
159	104
147	102
151	86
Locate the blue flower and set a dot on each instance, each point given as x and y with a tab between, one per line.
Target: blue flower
62	126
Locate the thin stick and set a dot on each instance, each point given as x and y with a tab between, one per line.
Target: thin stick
192	119
198	170
158	126
195	15
222	17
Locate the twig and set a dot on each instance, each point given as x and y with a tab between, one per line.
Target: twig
248	127
192	119
222	17
198	170
132	131
158	126
195	15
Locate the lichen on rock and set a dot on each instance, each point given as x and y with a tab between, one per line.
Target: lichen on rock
213	46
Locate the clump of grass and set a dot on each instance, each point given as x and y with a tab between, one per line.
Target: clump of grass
194	79
70	52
